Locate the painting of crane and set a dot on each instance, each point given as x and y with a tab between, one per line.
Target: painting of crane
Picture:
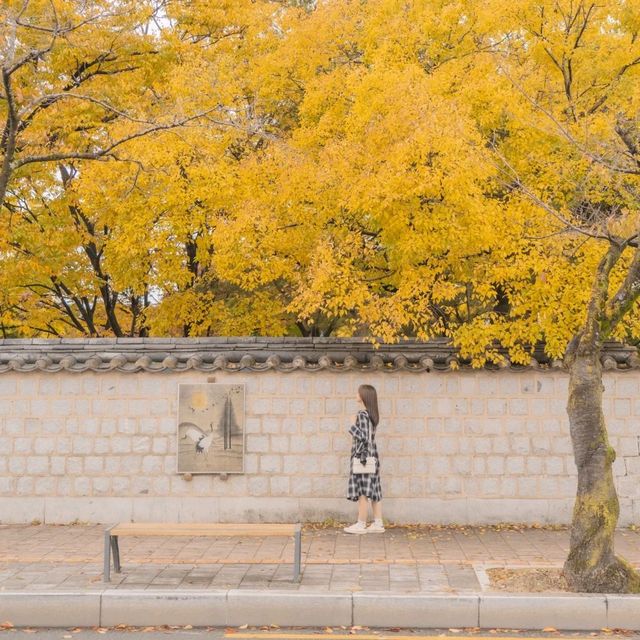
211	428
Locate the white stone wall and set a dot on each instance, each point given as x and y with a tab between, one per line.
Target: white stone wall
456	446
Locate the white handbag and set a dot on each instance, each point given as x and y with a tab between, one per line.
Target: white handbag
370	465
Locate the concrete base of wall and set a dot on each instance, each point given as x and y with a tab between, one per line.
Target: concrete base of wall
215	509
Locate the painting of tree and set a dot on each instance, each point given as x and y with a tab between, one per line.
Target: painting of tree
211	428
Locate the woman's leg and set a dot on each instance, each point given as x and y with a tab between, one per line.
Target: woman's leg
377	509
362	508
361	525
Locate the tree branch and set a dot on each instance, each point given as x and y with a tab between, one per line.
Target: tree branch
60	291
8	141
567	134
99	155
593	332
629	291
600	101
56	97
55	30
515	179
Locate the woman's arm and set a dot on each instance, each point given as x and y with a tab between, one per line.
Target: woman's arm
360	430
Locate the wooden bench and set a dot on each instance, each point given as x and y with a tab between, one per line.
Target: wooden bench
112	534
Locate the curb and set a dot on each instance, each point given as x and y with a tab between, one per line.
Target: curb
235	607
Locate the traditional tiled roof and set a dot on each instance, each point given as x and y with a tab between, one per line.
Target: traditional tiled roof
257	354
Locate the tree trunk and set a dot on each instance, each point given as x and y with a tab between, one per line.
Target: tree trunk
592	565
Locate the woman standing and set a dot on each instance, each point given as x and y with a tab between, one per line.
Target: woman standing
365	486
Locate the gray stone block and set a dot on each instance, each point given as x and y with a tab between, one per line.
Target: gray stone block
492	510
440	511
623	612
573	612
260	509
288	609
155	608
428	611
35	609
87	509
19	510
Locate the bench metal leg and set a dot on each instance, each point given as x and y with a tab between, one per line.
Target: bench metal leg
297	555
106	576
116	553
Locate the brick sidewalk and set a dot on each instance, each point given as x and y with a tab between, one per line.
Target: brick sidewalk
404	559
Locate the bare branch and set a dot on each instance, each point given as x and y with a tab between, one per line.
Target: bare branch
32	56
59	32
24	8
628	133
515	180
583	28
559	232
568	135
106	152
56	97
61	290
598	103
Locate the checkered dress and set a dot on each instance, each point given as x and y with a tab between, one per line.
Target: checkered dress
363	484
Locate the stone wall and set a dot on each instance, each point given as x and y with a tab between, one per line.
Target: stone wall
465	446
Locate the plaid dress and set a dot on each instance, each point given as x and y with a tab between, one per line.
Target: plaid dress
363	484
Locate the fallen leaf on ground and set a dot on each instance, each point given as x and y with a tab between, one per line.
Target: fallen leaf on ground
550	629
455	630
188	626
243	626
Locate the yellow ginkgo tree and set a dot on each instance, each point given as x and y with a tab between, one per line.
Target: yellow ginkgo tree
110	112
570	147
80	82
464	170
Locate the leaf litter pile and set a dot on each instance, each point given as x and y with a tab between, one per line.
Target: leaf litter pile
534	580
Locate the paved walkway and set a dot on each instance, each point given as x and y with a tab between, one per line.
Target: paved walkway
52	558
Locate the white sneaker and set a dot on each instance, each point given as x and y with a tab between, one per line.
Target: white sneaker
375	528
358	527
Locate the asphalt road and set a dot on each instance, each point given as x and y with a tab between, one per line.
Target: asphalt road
336	633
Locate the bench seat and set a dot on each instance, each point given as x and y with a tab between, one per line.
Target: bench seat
193	530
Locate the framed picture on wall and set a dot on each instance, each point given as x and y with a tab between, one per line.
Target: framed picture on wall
211	428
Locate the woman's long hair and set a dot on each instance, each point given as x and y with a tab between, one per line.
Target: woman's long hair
369	398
